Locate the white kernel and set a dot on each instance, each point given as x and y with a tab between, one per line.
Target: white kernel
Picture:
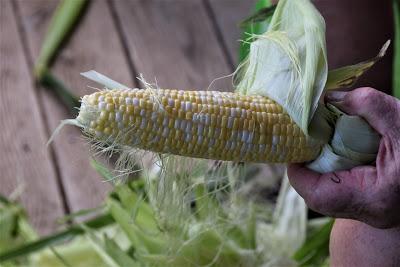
217	132
165	132
261	147
165	121
233	145
102	105
142	112
273	149
154	116
183	125
177	123
230	123
200	128
228	144
245	136
188	137
171	102
128	101
188	127
188	106
250	138
208	119
143	123
233	112
118	116
275	140
135	102
211	143
101	98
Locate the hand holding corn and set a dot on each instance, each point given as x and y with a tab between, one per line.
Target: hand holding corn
370	194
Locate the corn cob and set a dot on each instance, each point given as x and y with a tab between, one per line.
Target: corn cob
201	124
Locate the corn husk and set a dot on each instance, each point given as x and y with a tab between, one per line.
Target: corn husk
288	63
354	143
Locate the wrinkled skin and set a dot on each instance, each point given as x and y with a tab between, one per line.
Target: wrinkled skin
369	195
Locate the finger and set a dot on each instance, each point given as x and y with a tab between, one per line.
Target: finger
341	194
381	111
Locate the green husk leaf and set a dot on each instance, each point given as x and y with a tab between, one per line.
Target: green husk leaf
103	80
78	252
252	29
120	256
141	211
144	241
80	213
109	251
347	76
316	248
261	15
396	59
288	63
63	20
54	239
102	170
51	82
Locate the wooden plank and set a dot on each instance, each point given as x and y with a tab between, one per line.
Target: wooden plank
174	42
228	15
94	45
25	160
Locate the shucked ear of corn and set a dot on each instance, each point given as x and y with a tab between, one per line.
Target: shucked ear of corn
200	124
275	115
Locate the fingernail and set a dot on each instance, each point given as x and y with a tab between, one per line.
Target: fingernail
336	179
335	96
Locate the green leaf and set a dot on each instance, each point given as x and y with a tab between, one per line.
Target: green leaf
258	27
135	205
396	59
261	15
108	250
56	238
79	213
102	170
316	248
51	82
142	240
120	256
347	76
63	20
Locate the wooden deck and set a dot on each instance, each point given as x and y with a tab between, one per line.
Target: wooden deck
184	44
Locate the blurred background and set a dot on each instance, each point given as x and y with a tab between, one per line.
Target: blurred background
182	44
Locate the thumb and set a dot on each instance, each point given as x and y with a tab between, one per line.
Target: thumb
381	111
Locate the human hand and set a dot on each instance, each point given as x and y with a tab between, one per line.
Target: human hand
370	194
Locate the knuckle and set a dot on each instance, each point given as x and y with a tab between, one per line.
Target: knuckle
365	96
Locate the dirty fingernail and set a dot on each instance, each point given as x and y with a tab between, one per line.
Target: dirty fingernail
335	96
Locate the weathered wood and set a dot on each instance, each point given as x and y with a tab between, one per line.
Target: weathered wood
228	14
25	160
174	42
94	45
